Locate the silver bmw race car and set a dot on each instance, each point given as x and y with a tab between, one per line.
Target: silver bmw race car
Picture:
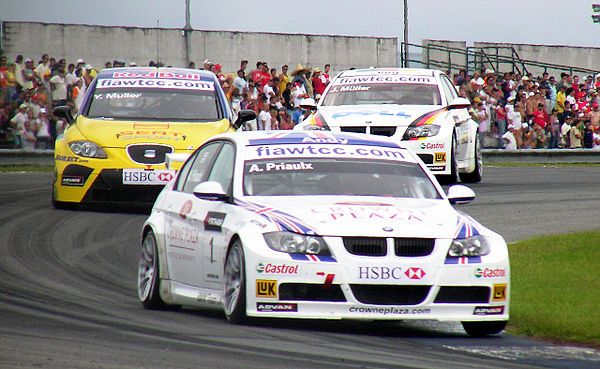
311	224
419	108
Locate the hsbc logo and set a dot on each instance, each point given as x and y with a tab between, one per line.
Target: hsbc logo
415	273
165	177
387	273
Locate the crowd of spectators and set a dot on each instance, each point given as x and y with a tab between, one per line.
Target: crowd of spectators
513	111
517	111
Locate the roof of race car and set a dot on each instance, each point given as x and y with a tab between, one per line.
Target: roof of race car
150	72
390	71
254	138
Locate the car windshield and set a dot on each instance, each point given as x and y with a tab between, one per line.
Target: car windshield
382	93
327	176
154	104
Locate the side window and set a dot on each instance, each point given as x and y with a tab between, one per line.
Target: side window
449	89
201	166
183	172
222	170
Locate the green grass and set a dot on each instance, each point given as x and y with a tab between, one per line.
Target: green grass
26	168
555	288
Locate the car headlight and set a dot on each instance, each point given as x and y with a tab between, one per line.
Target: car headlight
295	243
317	123
423	126
426	130
87	149
472	246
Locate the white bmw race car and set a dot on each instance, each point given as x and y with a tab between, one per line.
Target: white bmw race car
311	224
418	107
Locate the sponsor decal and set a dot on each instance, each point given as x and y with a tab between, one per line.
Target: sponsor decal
499	292
440	157
185	209
273	307
384	113
155	74
415	273
436	168
380	273
316	137
328	279
269	268
266	288
150	135
155	83
73	159
72	181
488	310
268	167
463	260
370	212
213	221
432	146
490	273
384	79
179	255
187	235
388	310
147	177
334	150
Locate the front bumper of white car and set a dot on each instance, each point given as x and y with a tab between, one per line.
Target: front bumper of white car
387	287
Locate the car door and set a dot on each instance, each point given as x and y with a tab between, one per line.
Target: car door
218	216
184	219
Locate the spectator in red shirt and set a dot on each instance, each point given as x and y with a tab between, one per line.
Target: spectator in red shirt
539	116
318	84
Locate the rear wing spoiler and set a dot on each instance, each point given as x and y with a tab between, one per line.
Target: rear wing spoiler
172	158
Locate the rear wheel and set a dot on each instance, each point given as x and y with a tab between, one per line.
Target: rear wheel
235	284
451	178
477	173
480	329
148	274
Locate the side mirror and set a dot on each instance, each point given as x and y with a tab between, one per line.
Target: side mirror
244	116
210	190
459	194
459	103
64	112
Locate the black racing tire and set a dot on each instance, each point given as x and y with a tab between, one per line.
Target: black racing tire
149	274
234	299
452	178
477	174
481	329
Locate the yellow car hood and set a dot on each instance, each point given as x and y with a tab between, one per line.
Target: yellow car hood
119	134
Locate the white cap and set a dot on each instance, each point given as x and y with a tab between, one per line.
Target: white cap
79	61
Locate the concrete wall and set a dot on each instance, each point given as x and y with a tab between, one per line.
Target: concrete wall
445	57
97	44
583	57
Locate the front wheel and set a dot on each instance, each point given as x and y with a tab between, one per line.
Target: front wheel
235	284
148	274
477	173
481	329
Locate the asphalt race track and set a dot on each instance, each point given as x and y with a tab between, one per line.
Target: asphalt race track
68	292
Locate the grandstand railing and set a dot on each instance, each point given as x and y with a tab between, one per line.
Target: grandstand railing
498	58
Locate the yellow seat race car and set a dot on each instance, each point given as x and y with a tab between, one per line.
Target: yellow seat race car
114	150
